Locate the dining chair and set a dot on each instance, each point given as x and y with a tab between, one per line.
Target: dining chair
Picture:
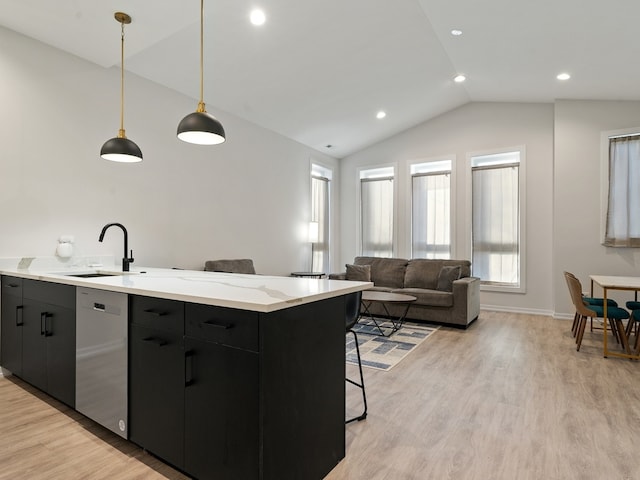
589	301
634	321
352	313
615	315
241	265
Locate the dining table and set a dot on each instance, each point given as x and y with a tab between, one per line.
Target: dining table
616	282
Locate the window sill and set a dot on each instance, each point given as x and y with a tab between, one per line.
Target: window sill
503	288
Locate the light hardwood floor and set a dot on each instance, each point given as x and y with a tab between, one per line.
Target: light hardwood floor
509	398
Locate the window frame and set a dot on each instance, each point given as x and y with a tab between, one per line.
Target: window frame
318	170
522	220
604	176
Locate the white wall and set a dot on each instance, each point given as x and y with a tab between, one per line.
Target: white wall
471	128
577	213
184	204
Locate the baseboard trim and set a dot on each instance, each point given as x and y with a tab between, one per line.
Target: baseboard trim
529	311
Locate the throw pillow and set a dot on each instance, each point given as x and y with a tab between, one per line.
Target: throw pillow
359	273
446	277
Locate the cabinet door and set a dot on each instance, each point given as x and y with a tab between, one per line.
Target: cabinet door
60	334
34	346
49	349
11	333
221	411
156	392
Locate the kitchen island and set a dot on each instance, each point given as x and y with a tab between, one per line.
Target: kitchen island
230	376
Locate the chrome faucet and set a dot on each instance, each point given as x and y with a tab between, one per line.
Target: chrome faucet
125	260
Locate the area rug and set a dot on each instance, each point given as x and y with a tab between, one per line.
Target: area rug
383	353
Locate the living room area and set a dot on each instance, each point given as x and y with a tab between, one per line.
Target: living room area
498	393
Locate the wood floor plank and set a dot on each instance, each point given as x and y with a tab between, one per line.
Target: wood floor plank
509	398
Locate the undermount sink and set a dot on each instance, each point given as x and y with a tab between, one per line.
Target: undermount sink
91	275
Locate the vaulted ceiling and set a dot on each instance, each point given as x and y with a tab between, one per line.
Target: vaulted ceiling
319	71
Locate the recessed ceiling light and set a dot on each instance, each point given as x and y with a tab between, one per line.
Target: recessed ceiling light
459	78
257	17
381	115
563	76
456	33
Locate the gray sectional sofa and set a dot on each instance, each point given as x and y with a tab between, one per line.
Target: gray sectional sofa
445	293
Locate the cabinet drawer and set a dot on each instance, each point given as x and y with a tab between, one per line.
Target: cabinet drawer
50	292
158	313
226	326
11	286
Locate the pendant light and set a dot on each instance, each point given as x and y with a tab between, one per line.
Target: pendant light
200	127
120	148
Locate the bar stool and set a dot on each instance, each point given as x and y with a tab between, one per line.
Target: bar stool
352	313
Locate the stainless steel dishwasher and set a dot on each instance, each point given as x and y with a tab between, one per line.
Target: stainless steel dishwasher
101	357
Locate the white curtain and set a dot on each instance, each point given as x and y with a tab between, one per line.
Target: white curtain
430	210
376	227
495	224
623	210
320	214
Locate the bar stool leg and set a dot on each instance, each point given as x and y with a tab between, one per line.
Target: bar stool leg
359	385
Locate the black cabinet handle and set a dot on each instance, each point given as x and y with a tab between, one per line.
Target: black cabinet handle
216	324
158	341
188	367
43	324
12	285
157	313
19	321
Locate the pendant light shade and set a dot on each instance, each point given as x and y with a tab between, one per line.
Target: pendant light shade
120	148
200	127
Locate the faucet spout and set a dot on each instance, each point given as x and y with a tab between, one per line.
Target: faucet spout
126	260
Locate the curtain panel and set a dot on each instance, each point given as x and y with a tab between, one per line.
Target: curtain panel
320	261
431	217
376	215
495	224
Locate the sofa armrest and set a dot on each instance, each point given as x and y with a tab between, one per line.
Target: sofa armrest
466	298
338	276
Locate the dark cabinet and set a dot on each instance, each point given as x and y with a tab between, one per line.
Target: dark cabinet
156	373
48	338
11	328
222	393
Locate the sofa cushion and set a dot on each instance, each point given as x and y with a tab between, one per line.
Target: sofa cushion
446	277
385	272
422	273
431	298
359	273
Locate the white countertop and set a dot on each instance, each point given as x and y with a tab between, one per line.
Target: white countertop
260	293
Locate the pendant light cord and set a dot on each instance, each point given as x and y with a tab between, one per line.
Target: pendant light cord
201	107
121	132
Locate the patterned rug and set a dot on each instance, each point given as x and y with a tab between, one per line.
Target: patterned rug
383	353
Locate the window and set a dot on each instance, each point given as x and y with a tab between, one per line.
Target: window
495	225
431	210
376	212
623	199
320	187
